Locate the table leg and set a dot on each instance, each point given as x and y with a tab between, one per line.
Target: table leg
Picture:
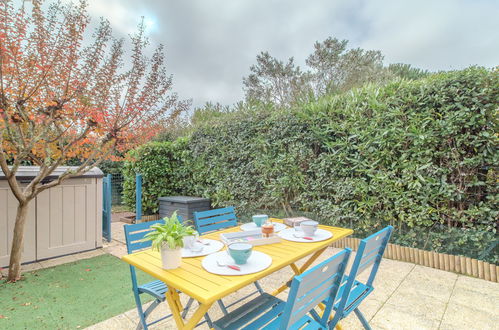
175	305
300	270
173	300
197	316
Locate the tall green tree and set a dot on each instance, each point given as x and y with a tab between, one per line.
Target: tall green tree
334	68
407	71
274	81
331	68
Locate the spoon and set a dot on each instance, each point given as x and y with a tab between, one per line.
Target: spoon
223	264
304	237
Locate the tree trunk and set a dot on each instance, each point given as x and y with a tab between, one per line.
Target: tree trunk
18	242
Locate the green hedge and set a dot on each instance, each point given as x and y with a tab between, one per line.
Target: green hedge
161	165
415	154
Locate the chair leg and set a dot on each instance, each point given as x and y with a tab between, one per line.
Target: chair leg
142	324
208	320
151	307
186	308
362	319
335	322
259	288
206	316
222	307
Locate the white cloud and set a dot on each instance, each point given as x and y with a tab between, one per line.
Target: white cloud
436	35
210	45
124	16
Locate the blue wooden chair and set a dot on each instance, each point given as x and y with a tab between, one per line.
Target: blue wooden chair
308	290
353	292
208	221
133	235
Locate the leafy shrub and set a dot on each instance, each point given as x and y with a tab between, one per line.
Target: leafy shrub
111	167
161	165
413	153
258	160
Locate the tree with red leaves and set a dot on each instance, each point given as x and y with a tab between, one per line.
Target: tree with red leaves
61	100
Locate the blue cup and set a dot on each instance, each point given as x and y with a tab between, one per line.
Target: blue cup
260	219
240	252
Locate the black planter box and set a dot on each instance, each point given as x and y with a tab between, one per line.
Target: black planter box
184	205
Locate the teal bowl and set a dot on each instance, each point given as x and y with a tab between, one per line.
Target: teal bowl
240	252
260	219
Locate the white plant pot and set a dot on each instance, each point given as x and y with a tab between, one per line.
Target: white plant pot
171	259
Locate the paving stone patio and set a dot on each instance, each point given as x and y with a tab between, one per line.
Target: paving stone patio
406	296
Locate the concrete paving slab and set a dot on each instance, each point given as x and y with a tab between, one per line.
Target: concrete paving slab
392	317
24	268
418	305
107	244
463	317
478	285
430	282
58	261
388	280
487	302
117	232
369	307
29	267
89	254
116	250
430	274
118	322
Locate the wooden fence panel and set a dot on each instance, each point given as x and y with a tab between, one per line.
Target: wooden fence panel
443	261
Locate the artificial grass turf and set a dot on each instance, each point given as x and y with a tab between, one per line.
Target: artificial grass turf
69	296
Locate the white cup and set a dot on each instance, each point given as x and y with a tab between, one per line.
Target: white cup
189	241
309	227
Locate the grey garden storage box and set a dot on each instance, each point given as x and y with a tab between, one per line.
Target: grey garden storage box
185	206
61	220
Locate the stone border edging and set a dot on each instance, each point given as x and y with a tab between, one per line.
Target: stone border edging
451	263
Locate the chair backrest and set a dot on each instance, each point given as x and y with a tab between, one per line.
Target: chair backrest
369	253
135	232
320	283
211	220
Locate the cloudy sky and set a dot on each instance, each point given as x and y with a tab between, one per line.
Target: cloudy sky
211	44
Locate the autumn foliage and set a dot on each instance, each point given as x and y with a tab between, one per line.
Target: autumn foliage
63	96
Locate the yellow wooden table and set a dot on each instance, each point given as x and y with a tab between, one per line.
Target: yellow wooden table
207	288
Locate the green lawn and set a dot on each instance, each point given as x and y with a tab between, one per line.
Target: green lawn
69	296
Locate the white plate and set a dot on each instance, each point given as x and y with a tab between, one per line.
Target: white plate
257	262
214	246
320	235
252	226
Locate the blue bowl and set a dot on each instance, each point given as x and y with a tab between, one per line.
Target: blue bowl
240	252
260	219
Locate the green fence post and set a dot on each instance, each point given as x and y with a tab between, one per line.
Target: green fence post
106	207
138	198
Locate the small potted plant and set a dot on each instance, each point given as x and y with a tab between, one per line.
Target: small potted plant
168	238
